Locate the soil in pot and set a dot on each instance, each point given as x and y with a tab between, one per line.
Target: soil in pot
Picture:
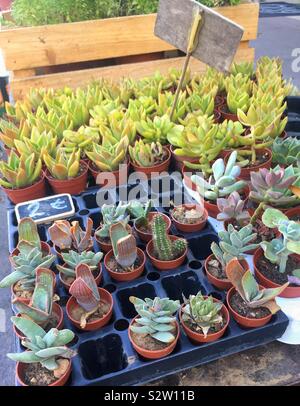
212	330
241	307
226	114
187	216
261	158
271	271
77	311
113	265
147	342
36	375
19	292
215	268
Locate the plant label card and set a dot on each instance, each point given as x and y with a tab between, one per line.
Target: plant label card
218	39
47	209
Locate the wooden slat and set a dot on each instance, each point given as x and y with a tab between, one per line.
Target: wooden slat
32	47
80	78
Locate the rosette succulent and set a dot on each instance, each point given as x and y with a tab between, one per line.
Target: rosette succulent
112	214
72	259
286	151
232	208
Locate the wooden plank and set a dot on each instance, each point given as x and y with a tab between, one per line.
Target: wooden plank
80	78
218	38
32	47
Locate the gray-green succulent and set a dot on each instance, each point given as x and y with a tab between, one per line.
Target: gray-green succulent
156	318
73	258
112	214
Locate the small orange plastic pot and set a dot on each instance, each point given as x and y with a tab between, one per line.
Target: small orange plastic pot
126	276
165	265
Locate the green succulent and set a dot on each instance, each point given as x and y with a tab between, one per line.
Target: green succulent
147	155
286	151
44	348
139	211
112	214
223	180
164	248
158	129
156	318
73	258
203	313
234	244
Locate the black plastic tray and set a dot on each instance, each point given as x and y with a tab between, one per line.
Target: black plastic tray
106	357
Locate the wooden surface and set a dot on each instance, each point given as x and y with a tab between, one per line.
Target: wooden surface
218	38
32	47
275	364
20	86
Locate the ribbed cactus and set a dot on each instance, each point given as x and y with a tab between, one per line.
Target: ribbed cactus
164	248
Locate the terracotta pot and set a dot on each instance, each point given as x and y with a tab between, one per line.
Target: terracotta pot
245	172
191	228
222	284
148	354
165	265
58	250
35	191
227	115
45	249
245	321
146	237
224	153
21	369
156	169
128	276
295	211
198	337
68	285
289	292
120	178
56	309
73	186
178	159
106	247
93	325
187	179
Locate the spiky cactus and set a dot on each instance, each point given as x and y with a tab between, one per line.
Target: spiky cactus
45	348
164	248
156	318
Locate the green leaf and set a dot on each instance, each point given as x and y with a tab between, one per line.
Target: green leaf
164	337
27	357
28	327
250	286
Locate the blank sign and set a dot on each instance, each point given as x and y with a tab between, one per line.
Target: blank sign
219	37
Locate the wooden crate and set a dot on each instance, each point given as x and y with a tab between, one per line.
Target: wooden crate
33	53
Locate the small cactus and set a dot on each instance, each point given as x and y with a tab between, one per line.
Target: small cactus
164	248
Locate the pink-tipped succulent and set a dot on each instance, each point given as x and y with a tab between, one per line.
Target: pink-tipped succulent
232	208
86	292
66	236
273	187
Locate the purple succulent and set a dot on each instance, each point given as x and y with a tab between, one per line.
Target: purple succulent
294	280
232	208
271	186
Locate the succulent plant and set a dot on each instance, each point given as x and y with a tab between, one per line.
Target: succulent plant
164	248
278	250
25	265
9	132
286	151
158	129
165	103
45	348
156	318
223	180
38	143
86	293
19	172
73	258
108	158
112	214
147	155
272	187
232	208
247	287
67	236
237	100
203	313
139	212
19	111
28	233
245	68
77	110
238	82
234	243
201	104
81	140
39	309
63	166
124	246
119	125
